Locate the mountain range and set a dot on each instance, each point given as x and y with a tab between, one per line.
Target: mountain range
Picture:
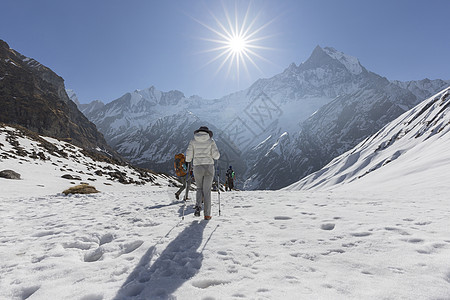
275	132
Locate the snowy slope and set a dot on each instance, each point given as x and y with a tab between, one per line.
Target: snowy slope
42	161
129	242
412	147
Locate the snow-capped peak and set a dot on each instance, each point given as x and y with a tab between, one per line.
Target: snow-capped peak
73	96
351	63
330	57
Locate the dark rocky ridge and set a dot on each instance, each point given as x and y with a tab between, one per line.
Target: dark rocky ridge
33	96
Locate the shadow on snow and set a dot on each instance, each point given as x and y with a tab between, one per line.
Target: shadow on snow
179	262
188	207
164	205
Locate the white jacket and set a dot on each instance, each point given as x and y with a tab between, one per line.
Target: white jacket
202	150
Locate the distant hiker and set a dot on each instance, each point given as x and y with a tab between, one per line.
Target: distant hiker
202	151
181	169
230	179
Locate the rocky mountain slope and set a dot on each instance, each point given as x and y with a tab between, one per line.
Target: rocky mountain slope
281	128
416	142
33	96
332	130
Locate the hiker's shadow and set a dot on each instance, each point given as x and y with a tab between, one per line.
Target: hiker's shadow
179	262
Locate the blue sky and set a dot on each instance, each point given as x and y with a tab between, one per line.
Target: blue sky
104	49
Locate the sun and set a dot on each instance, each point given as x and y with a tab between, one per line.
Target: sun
237	45
237	40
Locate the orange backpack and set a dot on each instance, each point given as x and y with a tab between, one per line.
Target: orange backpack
180	165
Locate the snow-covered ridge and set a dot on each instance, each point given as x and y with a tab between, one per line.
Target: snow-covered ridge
42	161
351	63
73	96
417	142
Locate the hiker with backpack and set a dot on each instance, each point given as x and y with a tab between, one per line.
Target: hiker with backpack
202	151
182	171
230	179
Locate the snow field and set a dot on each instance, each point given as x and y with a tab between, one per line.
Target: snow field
130	243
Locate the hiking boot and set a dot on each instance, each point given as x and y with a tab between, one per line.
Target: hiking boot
207	217
197	211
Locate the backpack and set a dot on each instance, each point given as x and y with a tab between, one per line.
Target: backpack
179	164
230	174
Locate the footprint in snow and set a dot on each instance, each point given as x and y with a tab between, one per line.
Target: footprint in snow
206	283
307	213
438	245
327	226
27	292
45	233
413	240
292	242
424	251
422	223
103	239
130	247
307	256
92	297
239	295
447	277
77	245
338	251
360	234
398	230
282	218
94	255
397	270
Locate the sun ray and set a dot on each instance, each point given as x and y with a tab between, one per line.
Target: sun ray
229	57
214	30
220	55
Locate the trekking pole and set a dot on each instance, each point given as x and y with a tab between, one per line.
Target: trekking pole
188	181
187	186
218	184
184	208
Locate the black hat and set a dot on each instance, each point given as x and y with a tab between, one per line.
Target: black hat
204	129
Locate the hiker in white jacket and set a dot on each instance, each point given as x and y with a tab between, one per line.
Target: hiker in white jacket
202	151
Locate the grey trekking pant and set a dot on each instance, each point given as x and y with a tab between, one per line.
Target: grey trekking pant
183	180
204	175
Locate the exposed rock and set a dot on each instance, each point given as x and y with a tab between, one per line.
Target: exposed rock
120	176
81	189
9	174
71	177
